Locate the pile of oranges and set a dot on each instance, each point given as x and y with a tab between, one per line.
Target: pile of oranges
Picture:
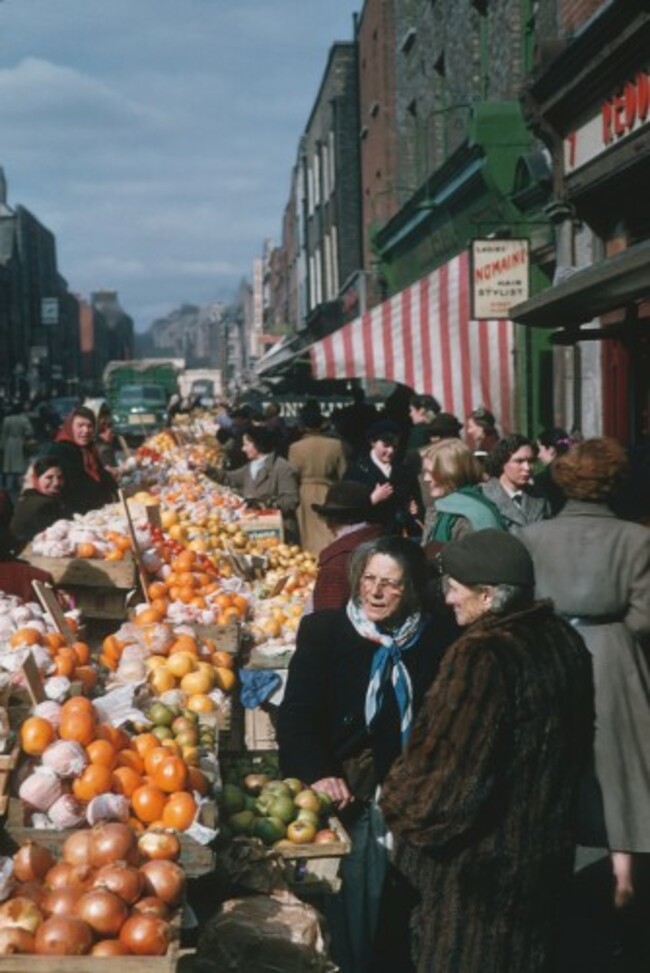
72	661
153	775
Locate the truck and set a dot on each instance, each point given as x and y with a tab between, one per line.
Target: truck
202	383
138	392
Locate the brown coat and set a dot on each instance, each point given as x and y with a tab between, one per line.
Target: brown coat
483	800
320	461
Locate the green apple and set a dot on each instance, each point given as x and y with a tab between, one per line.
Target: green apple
276	787
304	814
242	822
232	799
282	807
294	785
269	829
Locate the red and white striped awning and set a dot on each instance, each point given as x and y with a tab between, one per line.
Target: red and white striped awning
423	337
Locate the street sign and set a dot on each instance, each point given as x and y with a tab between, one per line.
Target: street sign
49	311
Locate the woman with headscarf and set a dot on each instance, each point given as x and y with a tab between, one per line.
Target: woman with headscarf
40	504
357	677
596	568
87	484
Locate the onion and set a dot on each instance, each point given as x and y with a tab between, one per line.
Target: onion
113	842
64	874
62	901
150	905
146	935
32	862
104	911
61	936
13	939
124	880
35	891
109	947
159	844
66	812
21	912
76	848
166	880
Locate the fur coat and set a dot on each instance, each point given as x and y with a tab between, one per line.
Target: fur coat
483	801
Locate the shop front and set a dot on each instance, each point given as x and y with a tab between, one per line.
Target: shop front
592	105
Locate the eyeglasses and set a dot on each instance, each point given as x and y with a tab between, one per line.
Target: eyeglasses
387	584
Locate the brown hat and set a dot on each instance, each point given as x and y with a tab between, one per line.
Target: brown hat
344	499
488	557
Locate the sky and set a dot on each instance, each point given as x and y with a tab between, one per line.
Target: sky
156	138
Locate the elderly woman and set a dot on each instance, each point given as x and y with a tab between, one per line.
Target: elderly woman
267	480
453	474
87	484
40	504
483	800
596	568
509	487
356	680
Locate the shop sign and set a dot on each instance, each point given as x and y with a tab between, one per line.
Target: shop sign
625	112
499	274
49	311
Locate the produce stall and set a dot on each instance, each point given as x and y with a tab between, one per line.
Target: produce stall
139	721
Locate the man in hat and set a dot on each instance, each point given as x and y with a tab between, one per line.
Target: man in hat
320	461
483	800
346	513
394	489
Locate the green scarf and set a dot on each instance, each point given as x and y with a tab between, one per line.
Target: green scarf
469	502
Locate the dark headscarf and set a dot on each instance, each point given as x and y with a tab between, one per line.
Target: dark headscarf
91	461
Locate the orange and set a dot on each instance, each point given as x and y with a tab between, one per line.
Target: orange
161	680
153	758
200	703
94	780
114	555
102	752
197	780
25	636
126	781
148	803
112	647
77	726
87	676
149	616
184	643
82	651
144	742
184	561
54	640
77	704
198	682
157	589
65	661
170	775
36	734
223	660
130	759
86	549
225	679
159	605
179	811
115	735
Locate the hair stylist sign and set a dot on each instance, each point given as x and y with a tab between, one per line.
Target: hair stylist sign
499	272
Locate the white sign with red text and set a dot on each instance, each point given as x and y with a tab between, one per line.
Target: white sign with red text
499	272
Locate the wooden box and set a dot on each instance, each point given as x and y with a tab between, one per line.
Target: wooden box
259	729
86	572
7	763
315	865
263	524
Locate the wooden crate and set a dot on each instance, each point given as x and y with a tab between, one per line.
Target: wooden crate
195	858
226	638
315	866
7	763
263	524
96	964
108	604
259	729
86	572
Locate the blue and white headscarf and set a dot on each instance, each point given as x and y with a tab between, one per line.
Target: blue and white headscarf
387	665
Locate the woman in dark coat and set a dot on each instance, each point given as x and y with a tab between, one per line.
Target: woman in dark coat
39	505
357	677
483	801
87	485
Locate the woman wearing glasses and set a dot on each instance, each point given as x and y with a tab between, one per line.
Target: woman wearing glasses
356	679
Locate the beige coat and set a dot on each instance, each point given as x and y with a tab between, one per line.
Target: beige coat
596	568
320	461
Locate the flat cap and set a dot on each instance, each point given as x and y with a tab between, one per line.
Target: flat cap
488	557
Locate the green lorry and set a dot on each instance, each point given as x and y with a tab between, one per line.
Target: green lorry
138	392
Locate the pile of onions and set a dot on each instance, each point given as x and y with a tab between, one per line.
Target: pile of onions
94	900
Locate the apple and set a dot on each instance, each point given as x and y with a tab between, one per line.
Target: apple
325	835
242	822
308	799
253	783
301	832
326	802
304	814
281	807
232	799
276	787
294	785
269	829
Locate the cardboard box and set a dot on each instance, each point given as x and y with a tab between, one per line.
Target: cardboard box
264	523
